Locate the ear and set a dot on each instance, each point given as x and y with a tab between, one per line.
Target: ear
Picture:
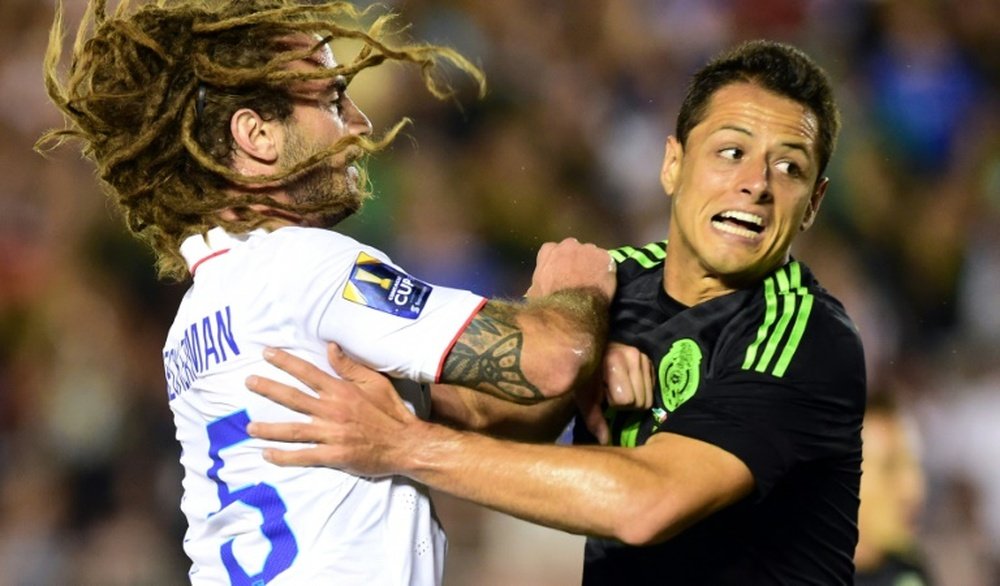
814	202
256	139
671	172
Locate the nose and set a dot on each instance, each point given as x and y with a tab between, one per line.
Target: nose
358	123
754	179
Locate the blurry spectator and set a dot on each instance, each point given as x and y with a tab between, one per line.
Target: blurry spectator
892	499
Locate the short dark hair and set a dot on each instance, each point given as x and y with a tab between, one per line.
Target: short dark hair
777	67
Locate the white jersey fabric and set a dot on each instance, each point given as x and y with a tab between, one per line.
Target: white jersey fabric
251	522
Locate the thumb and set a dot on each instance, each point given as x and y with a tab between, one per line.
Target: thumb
593	417
372	385
347	367
589	402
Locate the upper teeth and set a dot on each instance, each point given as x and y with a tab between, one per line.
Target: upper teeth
744	217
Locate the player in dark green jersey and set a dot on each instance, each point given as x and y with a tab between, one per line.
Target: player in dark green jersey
761	373
743	464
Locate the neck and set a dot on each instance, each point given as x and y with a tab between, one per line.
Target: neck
276	218
682	284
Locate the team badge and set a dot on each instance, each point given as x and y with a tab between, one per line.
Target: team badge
680	373
379	286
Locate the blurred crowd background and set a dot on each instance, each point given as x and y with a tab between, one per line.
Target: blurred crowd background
568	141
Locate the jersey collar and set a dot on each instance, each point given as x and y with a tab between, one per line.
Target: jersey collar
202	247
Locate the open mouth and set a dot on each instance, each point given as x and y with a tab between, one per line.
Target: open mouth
739	223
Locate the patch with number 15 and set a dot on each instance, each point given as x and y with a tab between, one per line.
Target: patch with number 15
383	287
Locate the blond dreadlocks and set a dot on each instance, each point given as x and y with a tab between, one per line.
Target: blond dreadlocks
150	92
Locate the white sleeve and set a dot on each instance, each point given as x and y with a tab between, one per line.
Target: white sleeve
386	318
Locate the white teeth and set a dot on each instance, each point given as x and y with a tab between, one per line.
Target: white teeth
734	229
743	217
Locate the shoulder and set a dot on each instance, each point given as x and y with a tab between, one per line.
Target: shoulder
299	248
639	258
302	237
637	263
791	328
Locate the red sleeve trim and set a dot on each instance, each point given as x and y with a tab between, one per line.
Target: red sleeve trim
195	266
458	334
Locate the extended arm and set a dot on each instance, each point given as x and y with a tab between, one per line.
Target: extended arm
466	409
638	495
625	381
542	347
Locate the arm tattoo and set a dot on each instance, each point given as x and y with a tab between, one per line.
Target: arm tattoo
487	356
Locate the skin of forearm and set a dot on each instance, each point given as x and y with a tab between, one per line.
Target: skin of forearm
594	491
528	351
470	410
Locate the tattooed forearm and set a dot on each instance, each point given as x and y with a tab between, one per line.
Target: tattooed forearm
527	352
488	356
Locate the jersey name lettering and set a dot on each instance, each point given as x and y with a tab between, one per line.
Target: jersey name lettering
207	342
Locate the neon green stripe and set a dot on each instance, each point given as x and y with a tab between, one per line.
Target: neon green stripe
796	284
771	303
648	257
782	278
656	249
630	432
793	340
779	330
642	259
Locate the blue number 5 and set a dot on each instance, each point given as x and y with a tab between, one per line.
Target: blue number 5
227	432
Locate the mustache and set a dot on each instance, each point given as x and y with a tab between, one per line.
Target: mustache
353	154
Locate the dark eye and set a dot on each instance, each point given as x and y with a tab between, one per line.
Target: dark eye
789	168
734	153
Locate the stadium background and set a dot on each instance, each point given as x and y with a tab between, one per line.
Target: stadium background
568	142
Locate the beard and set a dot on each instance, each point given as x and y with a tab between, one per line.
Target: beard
328	192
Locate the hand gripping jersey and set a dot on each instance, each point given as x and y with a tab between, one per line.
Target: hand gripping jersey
251	522
774	375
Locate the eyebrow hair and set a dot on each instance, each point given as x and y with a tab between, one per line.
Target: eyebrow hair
792	145
336	84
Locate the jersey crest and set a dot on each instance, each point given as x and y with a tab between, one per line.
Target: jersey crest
380	286
680	373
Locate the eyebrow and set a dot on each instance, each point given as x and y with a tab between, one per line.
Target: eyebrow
336	84
792	145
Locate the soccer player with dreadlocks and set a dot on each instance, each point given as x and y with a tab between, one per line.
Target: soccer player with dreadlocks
224	133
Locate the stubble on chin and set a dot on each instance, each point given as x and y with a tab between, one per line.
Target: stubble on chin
327	195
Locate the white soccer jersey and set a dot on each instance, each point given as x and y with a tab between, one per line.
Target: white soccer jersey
251	522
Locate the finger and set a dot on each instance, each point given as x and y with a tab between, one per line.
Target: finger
283	394
318	456
638	372
543	253
284	432
616	379
594	419
349	368
647	380
303	370
620	394
374	386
